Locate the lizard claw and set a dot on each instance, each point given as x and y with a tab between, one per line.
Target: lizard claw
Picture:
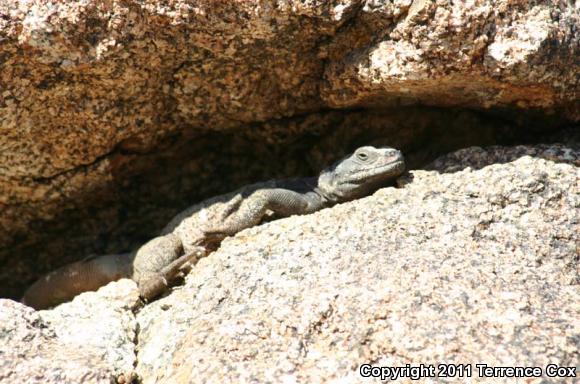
152	287
178	268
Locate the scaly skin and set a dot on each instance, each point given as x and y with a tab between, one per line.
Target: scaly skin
199	230
86	275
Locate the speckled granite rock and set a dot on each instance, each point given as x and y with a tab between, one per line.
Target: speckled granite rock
475	261
93	93
79	78
139	193
89	340
498	53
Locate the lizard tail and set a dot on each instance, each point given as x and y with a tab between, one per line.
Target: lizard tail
72	279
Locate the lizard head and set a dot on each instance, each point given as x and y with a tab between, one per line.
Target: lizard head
360	173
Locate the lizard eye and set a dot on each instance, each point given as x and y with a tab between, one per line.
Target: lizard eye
362	156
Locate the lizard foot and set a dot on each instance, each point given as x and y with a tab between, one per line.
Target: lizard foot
158	282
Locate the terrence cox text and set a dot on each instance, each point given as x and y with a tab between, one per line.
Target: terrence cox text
420	371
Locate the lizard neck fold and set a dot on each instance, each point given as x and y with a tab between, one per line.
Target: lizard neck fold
326	190
317	200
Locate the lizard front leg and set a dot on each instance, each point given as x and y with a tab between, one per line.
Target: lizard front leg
253	209
159	262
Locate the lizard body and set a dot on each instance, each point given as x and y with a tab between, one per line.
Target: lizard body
198	230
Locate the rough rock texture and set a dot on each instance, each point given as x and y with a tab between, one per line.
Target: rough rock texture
143	192
474	261
89	340
97	97
478	53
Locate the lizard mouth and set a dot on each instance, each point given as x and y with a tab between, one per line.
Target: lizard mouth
383	171
395	162
398	165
